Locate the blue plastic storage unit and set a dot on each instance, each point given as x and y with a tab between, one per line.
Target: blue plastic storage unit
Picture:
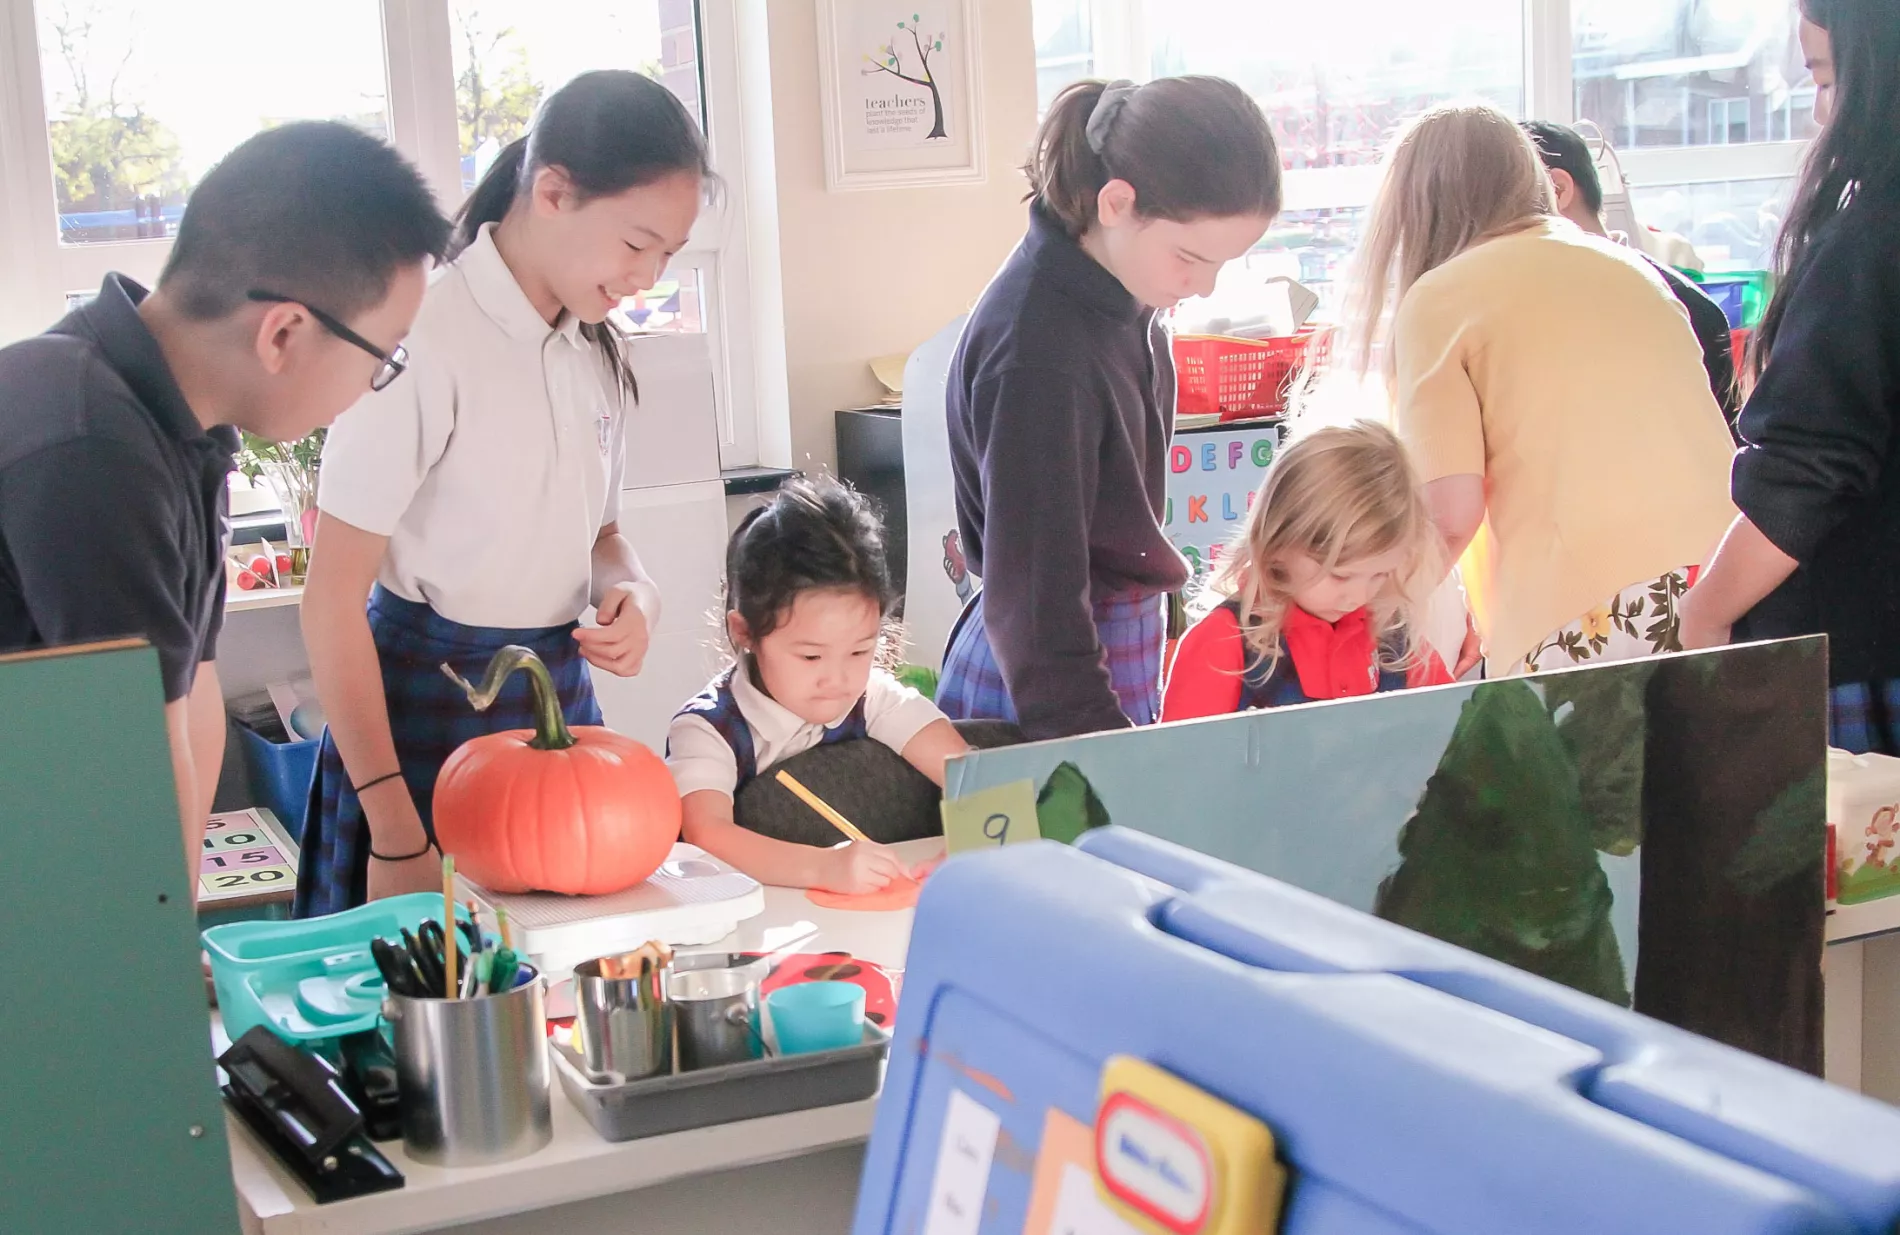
1411	1087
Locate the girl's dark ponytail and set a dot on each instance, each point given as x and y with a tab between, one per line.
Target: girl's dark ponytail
609	131
1064	174
499	187
1192	147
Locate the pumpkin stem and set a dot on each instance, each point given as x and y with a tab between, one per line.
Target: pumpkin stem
550	726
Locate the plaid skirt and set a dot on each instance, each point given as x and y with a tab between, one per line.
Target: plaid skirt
1130	626
429	717
1861	717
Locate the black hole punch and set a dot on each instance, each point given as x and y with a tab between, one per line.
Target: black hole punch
163	899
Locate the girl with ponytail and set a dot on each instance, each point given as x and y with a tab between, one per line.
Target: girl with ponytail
474	502
1061	398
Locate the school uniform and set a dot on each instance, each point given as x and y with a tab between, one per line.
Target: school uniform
114	515
732	732
1061	411
1819	469
1712	332
491	465
1215	672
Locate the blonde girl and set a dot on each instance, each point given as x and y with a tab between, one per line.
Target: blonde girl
1550	391
1323	589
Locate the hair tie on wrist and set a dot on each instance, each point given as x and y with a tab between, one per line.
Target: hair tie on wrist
364	788
1115	96
401	857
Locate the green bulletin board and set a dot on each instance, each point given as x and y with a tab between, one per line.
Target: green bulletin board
110	1104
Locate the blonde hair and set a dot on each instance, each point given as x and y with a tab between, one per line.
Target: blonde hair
1459	174
1338	495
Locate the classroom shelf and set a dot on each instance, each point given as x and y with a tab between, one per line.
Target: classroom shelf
236	600
1850	922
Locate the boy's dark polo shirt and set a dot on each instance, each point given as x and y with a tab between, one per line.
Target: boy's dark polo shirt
114	517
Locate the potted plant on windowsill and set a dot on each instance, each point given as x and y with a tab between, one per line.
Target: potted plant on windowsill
290	469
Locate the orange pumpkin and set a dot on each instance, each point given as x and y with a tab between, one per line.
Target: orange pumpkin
585	812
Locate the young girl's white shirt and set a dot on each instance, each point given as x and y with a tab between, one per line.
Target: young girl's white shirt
700	759
492	463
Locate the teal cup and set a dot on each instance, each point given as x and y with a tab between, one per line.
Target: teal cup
816	1016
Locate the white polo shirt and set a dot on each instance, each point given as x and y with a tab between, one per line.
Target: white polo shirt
700	759
492	463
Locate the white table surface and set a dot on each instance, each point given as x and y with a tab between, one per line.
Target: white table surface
577	1165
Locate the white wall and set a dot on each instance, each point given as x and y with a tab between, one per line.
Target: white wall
876	272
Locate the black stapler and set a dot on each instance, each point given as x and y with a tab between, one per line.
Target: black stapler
369	1078
294	1101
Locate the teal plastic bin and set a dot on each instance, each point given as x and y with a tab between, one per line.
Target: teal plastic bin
310	981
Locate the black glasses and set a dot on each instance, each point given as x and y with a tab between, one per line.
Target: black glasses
393	362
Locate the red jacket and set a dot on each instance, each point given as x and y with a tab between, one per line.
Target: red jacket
1330	660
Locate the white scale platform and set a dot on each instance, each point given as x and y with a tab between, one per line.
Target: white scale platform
693	899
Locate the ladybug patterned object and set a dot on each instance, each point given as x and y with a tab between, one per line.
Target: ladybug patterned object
880	993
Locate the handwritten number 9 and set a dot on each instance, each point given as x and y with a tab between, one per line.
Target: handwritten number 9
996	828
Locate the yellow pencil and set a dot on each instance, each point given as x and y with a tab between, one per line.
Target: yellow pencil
823	808
450	948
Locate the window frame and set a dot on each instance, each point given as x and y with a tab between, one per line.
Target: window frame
1121	49
38	271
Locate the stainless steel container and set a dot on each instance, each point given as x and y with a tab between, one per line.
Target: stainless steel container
717	1012
473	1075
624	1026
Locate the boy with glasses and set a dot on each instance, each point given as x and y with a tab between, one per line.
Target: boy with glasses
298	268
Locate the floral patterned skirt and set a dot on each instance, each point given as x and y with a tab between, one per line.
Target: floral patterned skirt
1639	621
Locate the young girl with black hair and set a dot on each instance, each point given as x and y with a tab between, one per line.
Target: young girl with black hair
808	593
475	502
1061	398
1816	548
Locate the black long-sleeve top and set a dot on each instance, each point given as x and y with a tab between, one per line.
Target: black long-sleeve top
1819	468
1061	410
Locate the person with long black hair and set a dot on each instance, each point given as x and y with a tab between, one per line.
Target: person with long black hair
475	502
1816	548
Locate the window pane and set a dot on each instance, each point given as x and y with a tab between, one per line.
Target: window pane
1314	247
1732	224
1065	47
1336	79
1691	72
509	54
132	125
675	305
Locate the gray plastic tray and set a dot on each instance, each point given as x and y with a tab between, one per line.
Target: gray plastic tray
630	1110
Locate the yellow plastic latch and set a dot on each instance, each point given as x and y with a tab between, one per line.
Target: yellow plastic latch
1173	1159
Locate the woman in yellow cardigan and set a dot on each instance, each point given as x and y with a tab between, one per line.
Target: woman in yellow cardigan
1551	391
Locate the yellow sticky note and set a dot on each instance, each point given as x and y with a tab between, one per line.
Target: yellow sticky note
991	818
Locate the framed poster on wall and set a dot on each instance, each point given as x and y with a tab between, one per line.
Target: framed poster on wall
901	93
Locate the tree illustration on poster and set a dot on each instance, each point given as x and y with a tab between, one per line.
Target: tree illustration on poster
889	59
900	87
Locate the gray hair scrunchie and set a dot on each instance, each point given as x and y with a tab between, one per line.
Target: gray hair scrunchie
1115	96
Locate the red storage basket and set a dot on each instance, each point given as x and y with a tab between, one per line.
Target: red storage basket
1239	379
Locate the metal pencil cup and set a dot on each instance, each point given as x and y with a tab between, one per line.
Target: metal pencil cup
717	1011
625	1025
473	1075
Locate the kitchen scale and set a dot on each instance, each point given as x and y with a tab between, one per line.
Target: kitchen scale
693	899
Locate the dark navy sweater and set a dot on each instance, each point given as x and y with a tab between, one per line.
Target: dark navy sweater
1819	469
1061	409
